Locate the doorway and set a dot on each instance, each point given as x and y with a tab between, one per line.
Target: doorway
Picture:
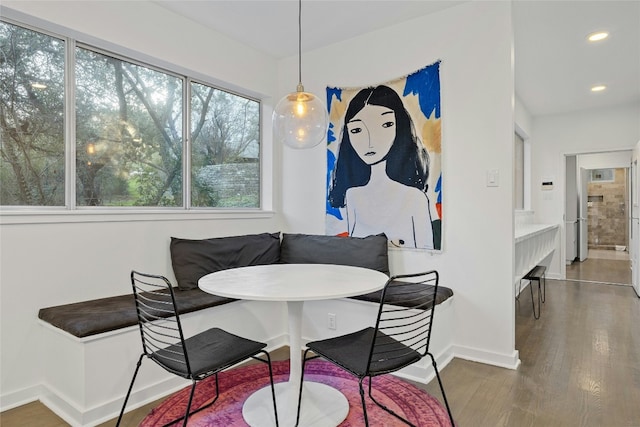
597	216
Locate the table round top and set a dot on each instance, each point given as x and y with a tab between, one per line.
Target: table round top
293	282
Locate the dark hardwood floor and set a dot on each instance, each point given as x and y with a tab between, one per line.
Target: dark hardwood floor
579	364
580	367
604	266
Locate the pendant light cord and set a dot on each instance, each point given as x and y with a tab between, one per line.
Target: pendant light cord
300	43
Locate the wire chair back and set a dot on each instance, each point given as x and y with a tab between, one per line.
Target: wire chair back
403	326
160	327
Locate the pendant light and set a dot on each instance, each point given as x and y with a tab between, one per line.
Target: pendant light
300	119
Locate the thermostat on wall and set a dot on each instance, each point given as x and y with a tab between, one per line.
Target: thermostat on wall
547	185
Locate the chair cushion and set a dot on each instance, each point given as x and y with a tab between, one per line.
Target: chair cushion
351	352
192	259
87	318
442	294
368	252
209	352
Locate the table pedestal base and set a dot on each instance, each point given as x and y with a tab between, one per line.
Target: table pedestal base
322	406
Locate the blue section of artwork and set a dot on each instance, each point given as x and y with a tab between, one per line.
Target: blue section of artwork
331	91
331	137
438	189
425	84
331	163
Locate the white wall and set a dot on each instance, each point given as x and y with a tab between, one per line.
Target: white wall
553	137
50	260
474	43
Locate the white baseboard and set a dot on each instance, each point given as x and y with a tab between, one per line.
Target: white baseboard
554	276
509	361
76	417
423	372
109	410
20	397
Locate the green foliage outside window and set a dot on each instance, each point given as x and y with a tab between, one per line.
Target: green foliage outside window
32	166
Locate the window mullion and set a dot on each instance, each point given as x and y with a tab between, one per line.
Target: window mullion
70	125
186	145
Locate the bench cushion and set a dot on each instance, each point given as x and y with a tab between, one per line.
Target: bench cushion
192	259
83	319
442	295
368	252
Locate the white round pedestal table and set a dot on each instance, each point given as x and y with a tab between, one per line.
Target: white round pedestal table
322	405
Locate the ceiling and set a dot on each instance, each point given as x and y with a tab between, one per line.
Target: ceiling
554	64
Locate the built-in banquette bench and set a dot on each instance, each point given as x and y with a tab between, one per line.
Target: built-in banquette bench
193	259
96	325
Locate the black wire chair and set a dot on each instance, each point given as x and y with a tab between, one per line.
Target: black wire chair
195	358
400	337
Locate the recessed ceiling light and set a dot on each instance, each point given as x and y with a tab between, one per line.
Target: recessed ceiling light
598	88
600	35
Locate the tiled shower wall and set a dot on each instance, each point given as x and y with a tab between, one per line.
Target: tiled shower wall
607	212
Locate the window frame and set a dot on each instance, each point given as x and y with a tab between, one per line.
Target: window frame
71	212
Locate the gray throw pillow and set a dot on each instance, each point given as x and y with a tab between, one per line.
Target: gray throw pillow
192	259
368	252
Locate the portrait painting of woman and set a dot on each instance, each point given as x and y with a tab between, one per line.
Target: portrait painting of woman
380	179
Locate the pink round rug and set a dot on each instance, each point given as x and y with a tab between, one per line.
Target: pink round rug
237	385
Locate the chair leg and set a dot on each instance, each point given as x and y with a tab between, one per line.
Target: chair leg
135	373
273	388
304	361
188	412
544	287
364	404
186	415
444	396
386	408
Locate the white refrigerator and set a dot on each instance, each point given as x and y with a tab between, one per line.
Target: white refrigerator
634	245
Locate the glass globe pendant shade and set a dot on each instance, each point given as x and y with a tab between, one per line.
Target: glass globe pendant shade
300	120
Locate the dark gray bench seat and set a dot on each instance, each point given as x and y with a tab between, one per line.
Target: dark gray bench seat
86	318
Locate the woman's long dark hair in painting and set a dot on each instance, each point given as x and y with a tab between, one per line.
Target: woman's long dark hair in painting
407	160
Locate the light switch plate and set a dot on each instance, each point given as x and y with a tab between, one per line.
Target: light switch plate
493	178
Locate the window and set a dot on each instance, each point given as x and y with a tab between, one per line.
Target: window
225	135
602	175
32	75
128	133
132	146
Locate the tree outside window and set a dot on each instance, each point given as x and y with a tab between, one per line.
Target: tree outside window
32	163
